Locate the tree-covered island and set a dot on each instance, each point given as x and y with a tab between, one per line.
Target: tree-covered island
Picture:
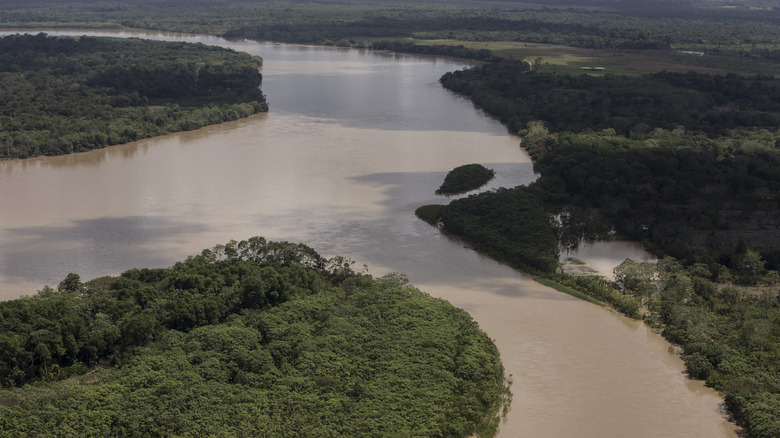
251	338
61	95
465	178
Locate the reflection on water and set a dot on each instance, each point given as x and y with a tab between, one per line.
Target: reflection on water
355	141
600	258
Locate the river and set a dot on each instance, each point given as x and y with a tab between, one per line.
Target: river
354	142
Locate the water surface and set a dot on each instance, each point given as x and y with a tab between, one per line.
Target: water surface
354	142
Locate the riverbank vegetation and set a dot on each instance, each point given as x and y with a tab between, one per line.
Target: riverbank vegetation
690	178
249	338
619	35
631	105
510	225
465	178
63	95
729	335
682	163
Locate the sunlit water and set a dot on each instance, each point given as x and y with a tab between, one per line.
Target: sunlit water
354	142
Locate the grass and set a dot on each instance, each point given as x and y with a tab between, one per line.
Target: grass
571	60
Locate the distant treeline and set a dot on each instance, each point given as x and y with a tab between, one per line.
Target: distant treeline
61	95
712	104
739	29
251	338
456	26
457	51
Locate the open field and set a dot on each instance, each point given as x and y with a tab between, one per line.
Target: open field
572	60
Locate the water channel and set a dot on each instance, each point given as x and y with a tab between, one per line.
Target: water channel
354	142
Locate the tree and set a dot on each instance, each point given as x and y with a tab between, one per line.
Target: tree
71	283
636	278
750	267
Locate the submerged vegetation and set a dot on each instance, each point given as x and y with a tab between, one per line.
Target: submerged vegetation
63	95
249	338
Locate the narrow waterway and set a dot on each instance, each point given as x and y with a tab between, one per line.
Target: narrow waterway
354	142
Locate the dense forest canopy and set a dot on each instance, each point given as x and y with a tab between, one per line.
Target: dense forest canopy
250	338
62	95
631	105
683	162
708	205
465	178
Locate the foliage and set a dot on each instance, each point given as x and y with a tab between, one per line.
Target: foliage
746	28
465	178
63	95
683	195
457	51
250	338
637	277
602	290
631	105
729	338
560	287
680	191
508	224
430	213
679	162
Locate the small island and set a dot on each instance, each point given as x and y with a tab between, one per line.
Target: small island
465	178
62	95
250	338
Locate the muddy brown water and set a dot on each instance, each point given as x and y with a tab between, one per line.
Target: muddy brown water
354	142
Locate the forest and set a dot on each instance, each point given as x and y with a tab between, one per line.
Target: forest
684	163
631	105
250	338
747	28
714	291
61	95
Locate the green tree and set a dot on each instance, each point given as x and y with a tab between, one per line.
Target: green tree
636	278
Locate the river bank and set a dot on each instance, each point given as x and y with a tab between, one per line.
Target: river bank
341	164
